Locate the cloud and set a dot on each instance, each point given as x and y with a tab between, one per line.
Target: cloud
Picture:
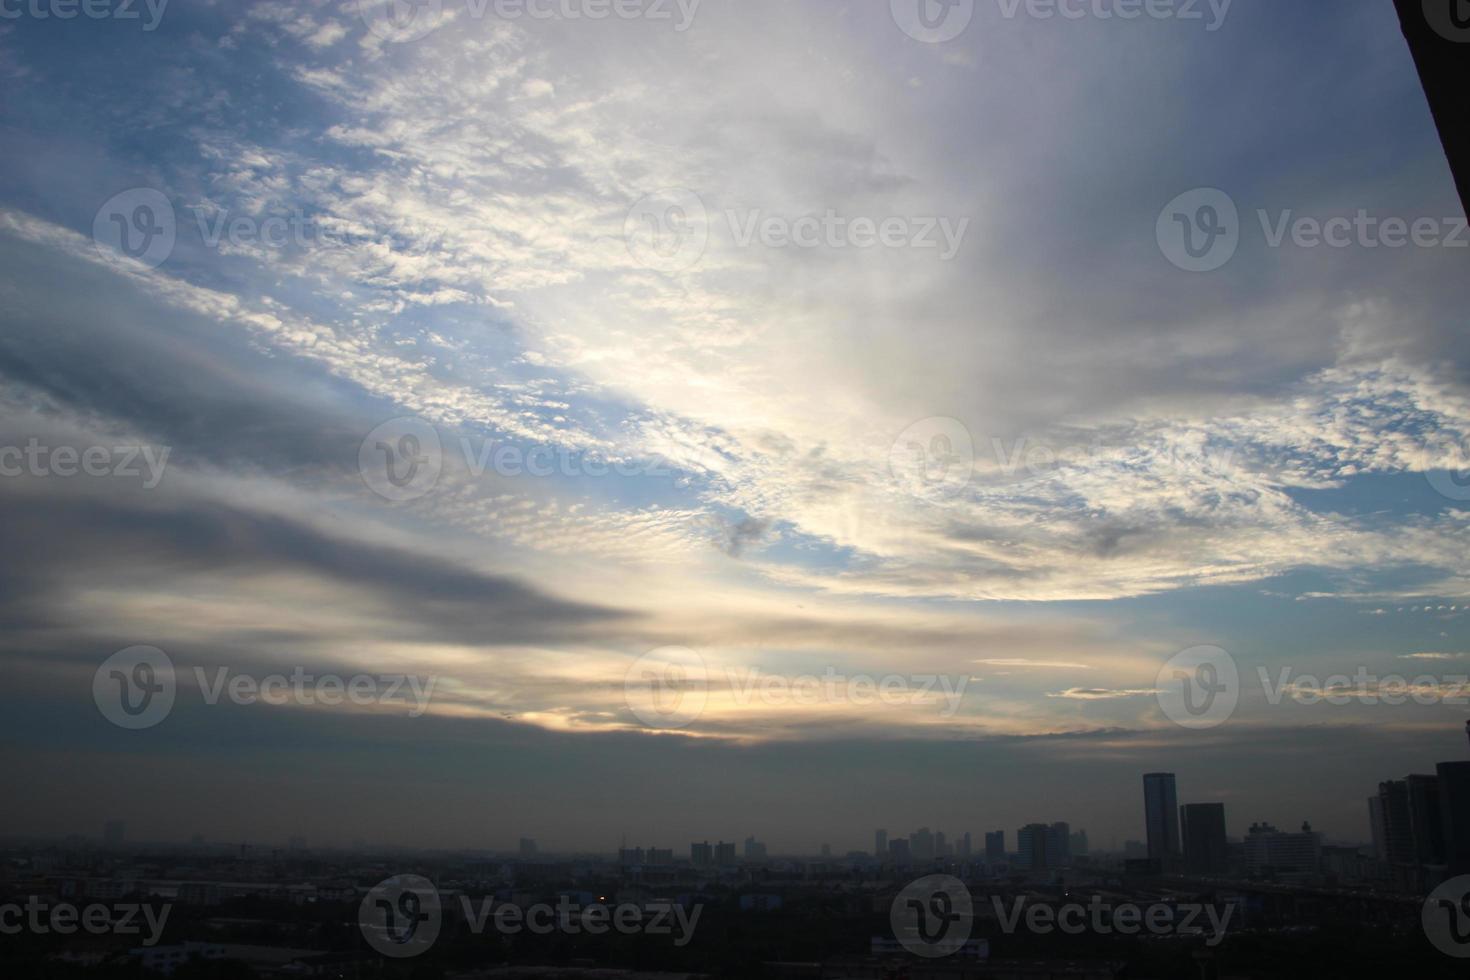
1101	694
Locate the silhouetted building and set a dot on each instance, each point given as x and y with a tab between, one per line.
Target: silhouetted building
701	855
1454	801
898	850
1079	846
528	847
921	844
1059	846
1203	826
1378	826
725	854
1273	853
1426	820
1408	822
1161	816
1031	847
755	851
1395	842
880	844
995	846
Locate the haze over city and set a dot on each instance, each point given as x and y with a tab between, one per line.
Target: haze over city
764	420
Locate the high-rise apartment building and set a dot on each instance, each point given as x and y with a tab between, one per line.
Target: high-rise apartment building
1161	816
1203	826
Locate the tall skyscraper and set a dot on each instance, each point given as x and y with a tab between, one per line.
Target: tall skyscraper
1378	826
701	855
1059	846
1161	816
1454	802
995	846
880	844
965	847
1203	825
921	844
1032	846
1426	819
1398	838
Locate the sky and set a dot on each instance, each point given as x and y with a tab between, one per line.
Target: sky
736	418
